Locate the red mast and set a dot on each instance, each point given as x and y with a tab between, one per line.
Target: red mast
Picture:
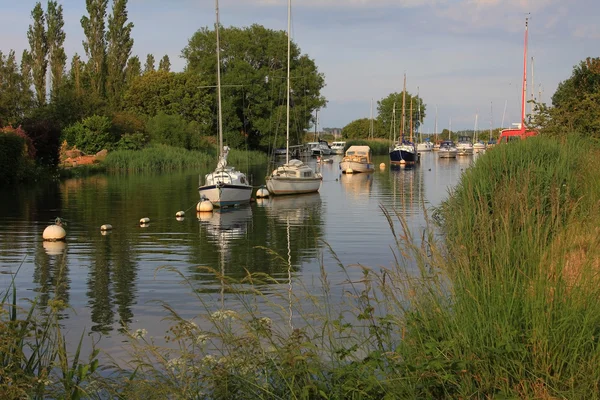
520	132
524	94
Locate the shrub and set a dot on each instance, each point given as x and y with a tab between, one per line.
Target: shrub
90	135
169	129
12	156
132	141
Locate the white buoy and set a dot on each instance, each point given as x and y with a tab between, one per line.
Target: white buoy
262	193
106	227
204	206
204	216
54	232
180	214
179	218
105	233
54	248
402	162
382	166
144	221
349	171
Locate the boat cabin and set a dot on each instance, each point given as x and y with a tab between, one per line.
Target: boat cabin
294	169
508	135
361	154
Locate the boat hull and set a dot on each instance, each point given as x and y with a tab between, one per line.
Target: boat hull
226	195
403	157
447	153
278	185
424	147
356	166
465	151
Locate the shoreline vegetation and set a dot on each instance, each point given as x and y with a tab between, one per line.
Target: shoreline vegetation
504	305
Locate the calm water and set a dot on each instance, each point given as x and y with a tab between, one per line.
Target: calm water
112	279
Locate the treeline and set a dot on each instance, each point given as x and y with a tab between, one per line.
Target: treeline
106	99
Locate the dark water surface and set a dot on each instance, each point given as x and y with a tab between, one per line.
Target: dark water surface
114	279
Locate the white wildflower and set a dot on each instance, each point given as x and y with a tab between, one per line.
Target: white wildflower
222	315
140	333
209	360
175	363
201	339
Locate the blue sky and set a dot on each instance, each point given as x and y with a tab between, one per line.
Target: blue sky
462	54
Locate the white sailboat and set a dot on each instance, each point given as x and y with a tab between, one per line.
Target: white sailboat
478	145
225	186
293	177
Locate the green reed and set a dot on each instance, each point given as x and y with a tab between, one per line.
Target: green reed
379	147
167	158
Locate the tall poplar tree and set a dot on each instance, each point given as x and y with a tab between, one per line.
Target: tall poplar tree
76	74
95	43
56	40
165	64
133	69
26	80
149	66
10	89
39	50
119	42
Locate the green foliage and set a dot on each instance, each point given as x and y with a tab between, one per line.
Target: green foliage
379	147
385	114
119	45
132	141
576	104
95	44
55	42
254	83
169	129
90	135
361	128
36	35
14	160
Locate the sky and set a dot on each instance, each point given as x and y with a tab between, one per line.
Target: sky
464	57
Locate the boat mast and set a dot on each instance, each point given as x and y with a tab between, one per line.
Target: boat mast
394	122
532	89
436	127
419	116
491	118
219	81
371	121
475	128
403	109
411	120
524	94
287	113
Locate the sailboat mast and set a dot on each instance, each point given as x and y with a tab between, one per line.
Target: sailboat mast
371	121
419	116
532	88
524	94
287	113
436	127
220	113
403	109
475	128
491	118
411	120
394	122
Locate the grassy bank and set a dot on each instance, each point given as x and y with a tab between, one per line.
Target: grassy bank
166	158
504	307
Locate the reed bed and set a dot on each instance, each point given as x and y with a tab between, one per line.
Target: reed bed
167	158
504	305
379	147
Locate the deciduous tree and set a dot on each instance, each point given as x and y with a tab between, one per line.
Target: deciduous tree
95	43
149	66
164	64
56	38
119	43
38	44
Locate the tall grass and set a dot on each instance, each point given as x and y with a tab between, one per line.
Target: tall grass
167	158
379	147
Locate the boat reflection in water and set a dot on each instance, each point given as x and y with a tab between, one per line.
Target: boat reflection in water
357	184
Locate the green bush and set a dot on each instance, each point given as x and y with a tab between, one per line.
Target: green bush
15	164
132	141
171	130
90	135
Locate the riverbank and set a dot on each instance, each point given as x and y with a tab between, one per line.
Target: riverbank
385	335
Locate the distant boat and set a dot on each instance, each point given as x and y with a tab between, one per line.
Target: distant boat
293	177
225	186
478	145
521	131
464	146
423	145
357	159
447	149
338	147
404	151
320	148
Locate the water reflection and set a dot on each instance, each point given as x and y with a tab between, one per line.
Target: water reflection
357	184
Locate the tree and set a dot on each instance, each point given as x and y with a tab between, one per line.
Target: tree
10	90
173	94
253	77
39	49
385	109
95	43
120	43
26	81
165	64
576	104
357	129
56	38
149	66
76	74
133	70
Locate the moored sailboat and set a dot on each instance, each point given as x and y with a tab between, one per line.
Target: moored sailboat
293	177
404	151
225	186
